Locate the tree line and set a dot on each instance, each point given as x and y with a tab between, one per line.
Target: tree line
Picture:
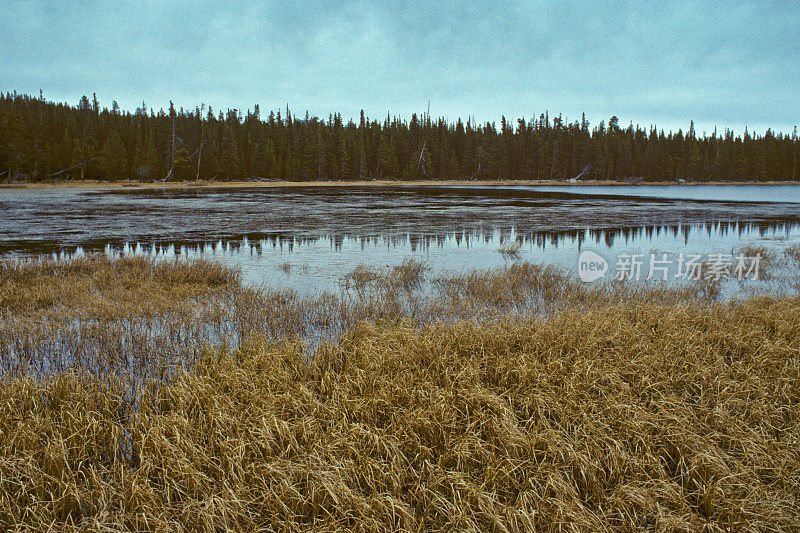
43	140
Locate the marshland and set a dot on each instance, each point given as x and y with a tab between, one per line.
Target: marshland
395	358
505	267
164	384
435	364
147	394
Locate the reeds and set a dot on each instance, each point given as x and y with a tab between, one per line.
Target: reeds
361	277
657	417
143	318
510	249
769	260
793	253
133	316
105	288
143	395
409	274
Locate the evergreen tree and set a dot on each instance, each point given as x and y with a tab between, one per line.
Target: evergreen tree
229	156
114	159
182	168
40	139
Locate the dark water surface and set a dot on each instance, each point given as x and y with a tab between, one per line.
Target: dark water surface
308	238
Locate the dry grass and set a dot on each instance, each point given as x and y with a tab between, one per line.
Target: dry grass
658	418
533	288
143	319
752	250
515	399
769	260
409	274
100	287
510	249
132	316
793	253
361	277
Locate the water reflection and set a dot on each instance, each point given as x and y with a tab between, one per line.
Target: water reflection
328	230
258	244
325	260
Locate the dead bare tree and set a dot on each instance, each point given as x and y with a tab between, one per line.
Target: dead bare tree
200	148
794	160
172	152
421	162
584	172
81	164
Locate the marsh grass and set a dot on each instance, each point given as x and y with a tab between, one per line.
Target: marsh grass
769	260
133	316
101	287
511	249
409	274
793	253
145	318
534	289
654	417
361	277
145	395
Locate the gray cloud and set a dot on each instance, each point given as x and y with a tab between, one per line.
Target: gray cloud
726	64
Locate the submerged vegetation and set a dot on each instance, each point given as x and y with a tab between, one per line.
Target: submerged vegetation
793	252
148	395
41	140
143	318
510	249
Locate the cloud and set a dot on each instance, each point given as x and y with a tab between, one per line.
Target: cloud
725	65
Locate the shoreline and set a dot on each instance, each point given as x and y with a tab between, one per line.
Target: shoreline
90	184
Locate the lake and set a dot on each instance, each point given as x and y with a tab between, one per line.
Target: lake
308	238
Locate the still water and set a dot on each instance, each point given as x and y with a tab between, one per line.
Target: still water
308	238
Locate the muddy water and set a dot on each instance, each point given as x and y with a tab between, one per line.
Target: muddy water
309	238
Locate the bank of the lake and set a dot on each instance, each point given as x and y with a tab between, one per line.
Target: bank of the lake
362	183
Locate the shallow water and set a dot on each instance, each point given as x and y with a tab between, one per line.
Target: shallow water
309	238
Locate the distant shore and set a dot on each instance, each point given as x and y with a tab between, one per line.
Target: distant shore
358	183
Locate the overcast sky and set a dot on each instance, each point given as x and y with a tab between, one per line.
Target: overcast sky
729	64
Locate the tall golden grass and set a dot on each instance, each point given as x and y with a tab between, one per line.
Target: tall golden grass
102	287
562	408
656	418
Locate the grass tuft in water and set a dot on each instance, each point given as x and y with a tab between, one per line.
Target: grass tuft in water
511	249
